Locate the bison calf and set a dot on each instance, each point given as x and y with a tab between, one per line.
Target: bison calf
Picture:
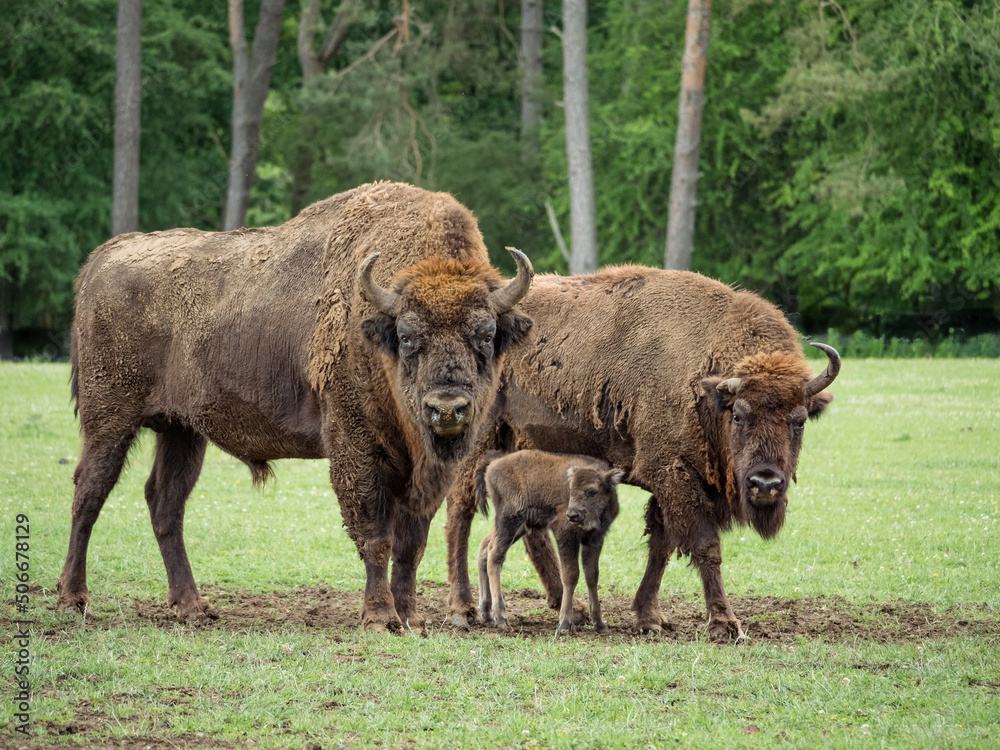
533	491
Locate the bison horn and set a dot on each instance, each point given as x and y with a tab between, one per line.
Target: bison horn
732	385
508	296
828	375
384	299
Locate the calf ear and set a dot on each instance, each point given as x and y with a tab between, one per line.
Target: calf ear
512	327
380	330
818	403
615	476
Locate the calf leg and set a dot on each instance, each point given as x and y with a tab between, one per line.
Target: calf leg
646	605
590	555
569	556
542	553
461	511
723	627
485	601
503	538
409	540
100	465
179	455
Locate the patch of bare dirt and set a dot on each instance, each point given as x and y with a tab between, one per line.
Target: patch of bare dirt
764	618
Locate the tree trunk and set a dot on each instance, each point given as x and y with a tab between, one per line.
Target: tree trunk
684	181
583	228
313	63
251	80
128	105
532	82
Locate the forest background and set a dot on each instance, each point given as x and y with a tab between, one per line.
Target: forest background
850	153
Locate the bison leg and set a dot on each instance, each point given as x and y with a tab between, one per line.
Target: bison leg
648	615
100	465
723	627
179	455
365	505
461	511
569	557
409	540
590	556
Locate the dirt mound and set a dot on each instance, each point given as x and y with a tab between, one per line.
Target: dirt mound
764	618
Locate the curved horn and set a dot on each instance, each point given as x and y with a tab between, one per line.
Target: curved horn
732	385
508	296
828	375
384	299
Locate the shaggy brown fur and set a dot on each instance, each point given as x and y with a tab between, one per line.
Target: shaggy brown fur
635	365
264	342
533	492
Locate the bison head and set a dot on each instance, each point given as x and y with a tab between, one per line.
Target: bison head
760	412
445	324
592	494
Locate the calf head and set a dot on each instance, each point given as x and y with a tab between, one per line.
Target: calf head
444	325
760	412
592	495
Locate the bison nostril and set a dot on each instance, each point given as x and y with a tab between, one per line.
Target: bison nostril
766	483
574	516
448	412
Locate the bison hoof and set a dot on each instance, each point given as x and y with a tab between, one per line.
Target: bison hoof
725	631
73	604
392	626
499	622
460	621
485	613
192	611
600	627
566	628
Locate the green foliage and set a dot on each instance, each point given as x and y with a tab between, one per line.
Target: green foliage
57	134
849	158
862	344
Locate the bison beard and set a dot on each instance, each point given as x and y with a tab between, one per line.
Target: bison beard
282	343
698	391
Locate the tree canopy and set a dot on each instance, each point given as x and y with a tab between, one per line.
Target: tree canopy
850	157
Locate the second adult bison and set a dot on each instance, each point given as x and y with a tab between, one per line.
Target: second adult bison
297	341
698	391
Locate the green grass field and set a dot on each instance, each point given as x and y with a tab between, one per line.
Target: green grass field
897	504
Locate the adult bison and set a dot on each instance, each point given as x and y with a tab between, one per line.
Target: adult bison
700	392
283	343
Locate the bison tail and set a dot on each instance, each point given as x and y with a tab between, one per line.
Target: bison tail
74	373
480	480
260	472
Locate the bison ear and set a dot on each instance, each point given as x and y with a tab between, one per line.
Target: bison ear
512	327
818	403
718	393
615	476
380	330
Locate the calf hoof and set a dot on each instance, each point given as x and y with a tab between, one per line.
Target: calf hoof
566	628
485	613
500	622
725	631
600	627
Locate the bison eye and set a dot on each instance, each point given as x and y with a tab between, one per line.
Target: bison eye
404	339
488	339
591	493
737	419
799	427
